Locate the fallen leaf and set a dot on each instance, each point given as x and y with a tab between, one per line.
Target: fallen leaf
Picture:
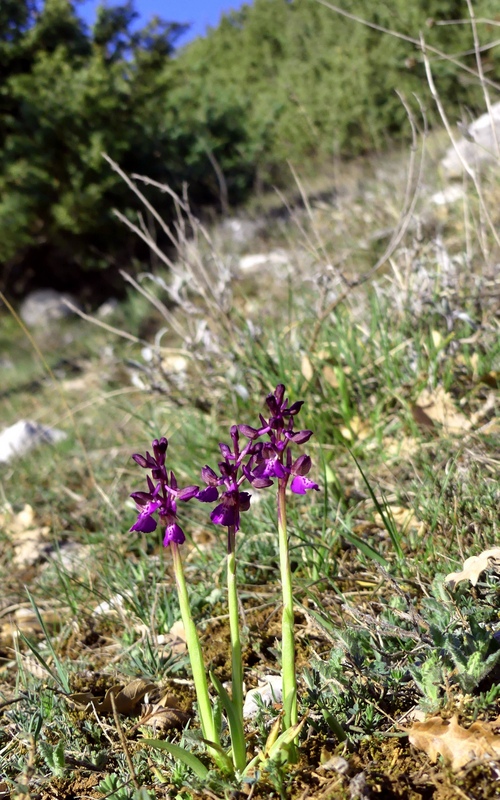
491	379
29	541
127	698
330	376
422	419
164	715
404	519
175	639
306	368
457	745
474	566
357	429
437	339
438	406
402	447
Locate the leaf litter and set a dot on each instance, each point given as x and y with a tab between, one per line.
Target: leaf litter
457	745
474	567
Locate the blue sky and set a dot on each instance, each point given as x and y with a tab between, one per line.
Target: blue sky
199	13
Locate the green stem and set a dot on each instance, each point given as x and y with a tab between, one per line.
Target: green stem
195	655
234	625
287	626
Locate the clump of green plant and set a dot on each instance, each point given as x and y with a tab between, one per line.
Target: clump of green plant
257	456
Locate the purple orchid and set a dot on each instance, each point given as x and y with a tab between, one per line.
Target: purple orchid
272	459
228	512
234	501
161	497
258	462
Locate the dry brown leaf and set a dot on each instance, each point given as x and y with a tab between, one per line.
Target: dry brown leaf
306	368
491	379
16	523
404	519
175	639
29	541
358	429
127	698
457	745
403	447
438	405
421	419
330	376
164	715
474	566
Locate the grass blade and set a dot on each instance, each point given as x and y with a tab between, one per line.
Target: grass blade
187	758
235	725
384	512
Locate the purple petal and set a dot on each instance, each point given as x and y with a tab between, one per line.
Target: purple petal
249	432
302	465
159	449
301	485
244	501
188	492
208	495
173	533
224	515
145	524
295	408
141	498
279	393
209	476
141	460
270	468
300	437
261	483
225	450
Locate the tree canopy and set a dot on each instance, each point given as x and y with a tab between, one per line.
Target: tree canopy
275	80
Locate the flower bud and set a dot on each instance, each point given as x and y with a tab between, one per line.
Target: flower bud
248	431
302	465
299	437
188	492
209	476
141	460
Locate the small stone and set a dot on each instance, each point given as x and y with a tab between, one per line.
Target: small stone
23	436
45	305
269	691
478	148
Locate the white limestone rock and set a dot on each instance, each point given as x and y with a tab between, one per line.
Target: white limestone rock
21	437
45	305
479	147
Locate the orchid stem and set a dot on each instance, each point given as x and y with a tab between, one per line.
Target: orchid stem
208	727
234	624
288	639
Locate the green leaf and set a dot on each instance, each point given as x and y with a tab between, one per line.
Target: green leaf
284	741
363	546
235	725
384	512
191	761
62	675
